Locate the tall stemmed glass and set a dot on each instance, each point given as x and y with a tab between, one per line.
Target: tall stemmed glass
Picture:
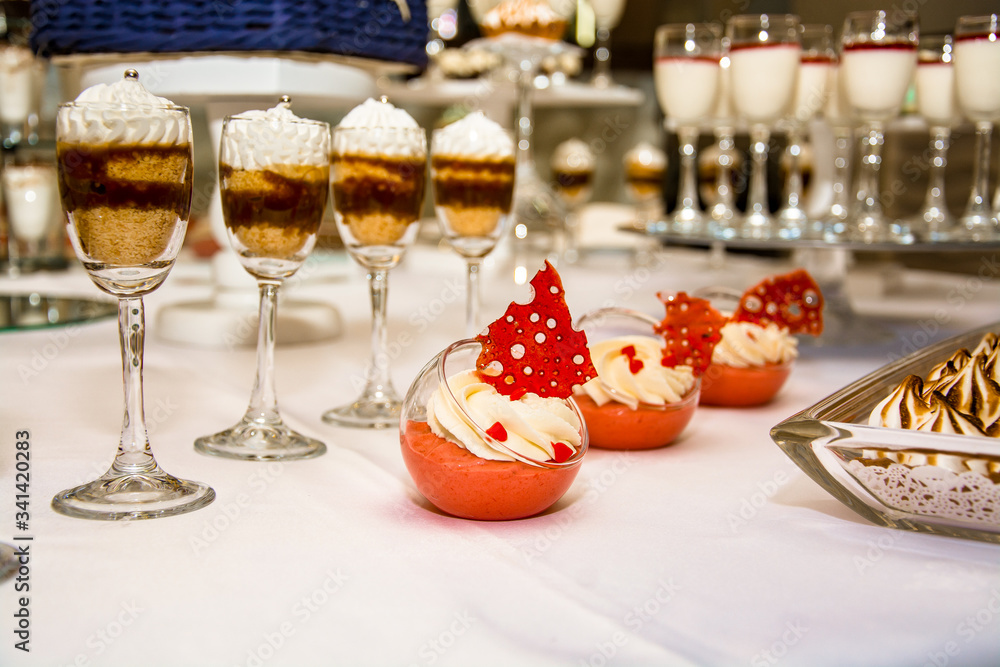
833	226
977	83
764	59
572	165
722	212
819	56
472	174
687	75
878	56
379	175
125	178
607	15
274	173
936	102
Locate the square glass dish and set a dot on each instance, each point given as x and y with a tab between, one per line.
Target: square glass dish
911	480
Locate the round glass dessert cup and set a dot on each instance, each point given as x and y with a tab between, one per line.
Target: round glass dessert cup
977	70
460	483
126	227
272	214
688	79
378	196
616	425
764	54
728	386
472	200
878	58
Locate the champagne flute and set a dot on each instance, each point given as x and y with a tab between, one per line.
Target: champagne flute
379	175
274	174
977	72
472	174
687	76
764	60
936	102
607	15
878	57
125	177
819	56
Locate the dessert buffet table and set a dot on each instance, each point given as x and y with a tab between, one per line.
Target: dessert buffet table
715	551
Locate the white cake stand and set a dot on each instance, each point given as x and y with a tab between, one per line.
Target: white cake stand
224	84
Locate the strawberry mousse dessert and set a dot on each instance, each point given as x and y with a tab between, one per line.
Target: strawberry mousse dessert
641	398
757	349
489	430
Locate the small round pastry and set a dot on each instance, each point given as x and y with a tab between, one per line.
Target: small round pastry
636	401
488	430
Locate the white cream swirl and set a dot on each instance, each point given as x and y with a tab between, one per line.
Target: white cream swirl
645	155
256	140
123	112
573	156
746	344
473	135
532	423
630	367
378	128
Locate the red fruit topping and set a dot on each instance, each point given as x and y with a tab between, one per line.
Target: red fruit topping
634	365
691	328
497	432
792	301
562	451
533	347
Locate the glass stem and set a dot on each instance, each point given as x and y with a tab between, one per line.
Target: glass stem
841	171
687	191
979	199
757	203
263	408
473	266
377	383
940	142
134	454
793	188
868	200
525	86
724	176
602	59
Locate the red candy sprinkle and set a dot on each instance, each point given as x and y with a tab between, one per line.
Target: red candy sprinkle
634	365
497	432
562	451
792	301
691	328
533	347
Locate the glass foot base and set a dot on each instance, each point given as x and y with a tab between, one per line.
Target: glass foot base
124	497
366	413
250	441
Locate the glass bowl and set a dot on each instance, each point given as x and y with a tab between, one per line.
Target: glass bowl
729	386
910	480
616	425
457	481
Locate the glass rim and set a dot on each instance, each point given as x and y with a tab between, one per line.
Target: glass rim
273	120
122	106
493	442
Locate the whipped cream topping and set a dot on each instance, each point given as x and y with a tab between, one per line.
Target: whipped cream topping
378	128
256	140
630	367
647	156
959	395
123	112
746	344
473	135
532	423
573	155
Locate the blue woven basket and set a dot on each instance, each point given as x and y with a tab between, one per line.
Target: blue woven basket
365	28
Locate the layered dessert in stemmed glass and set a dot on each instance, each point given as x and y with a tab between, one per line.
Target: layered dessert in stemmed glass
572	165
472	173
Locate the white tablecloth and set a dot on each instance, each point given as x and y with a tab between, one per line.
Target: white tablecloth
715	551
